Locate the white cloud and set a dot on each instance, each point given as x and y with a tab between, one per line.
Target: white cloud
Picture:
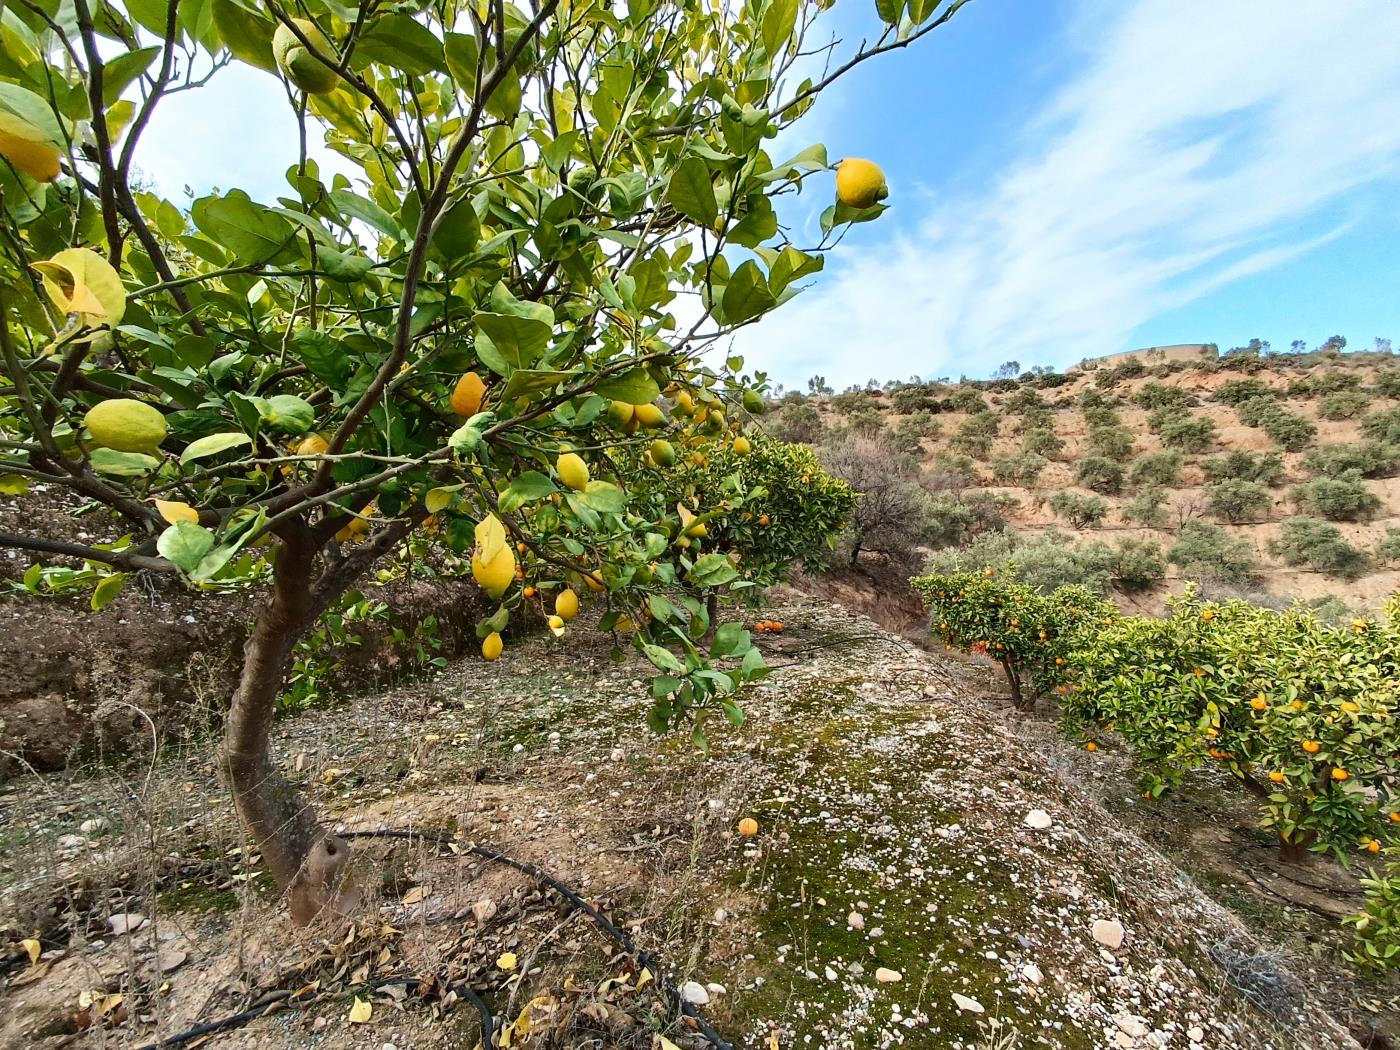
1192	147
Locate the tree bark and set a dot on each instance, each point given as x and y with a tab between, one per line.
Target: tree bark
1013	679
309	863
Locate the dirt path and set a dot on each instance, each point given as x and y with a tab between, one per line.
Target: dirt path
921	878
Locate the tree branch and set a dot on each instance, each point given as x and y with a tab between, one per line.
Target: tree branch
117	559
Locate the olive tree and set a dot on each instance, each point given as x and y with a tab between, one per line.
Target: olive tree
554	210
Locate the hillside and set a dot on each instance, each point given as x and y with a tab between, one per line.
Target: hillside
902	829
1015	445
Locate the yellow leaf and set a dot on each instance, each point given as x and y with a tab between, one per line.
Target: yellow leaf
27	148
644	979
361	1011
507	961
490	538
80	281
437	499
174	511
34	948
662	1043
773	1040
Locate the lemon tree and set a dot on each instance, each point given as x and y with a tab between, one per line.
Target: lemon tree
1301	713
551	212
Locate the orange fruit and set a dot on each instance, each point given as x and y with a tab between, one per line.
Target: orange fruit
467	395
1091	746
1339	774
748	828
763	519
1351	708
1395	817
1277	777
1259	703
529	592
1208	615
1059	661
1312	747
1373	846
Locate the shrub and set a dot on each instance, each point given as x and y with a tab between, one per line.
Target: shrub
1375	941
1235	391
892	512
1297	710
1115	442
1100	416
1341	498
1387	381
1383	425
1026	632
1236	501
1160	395
866	420
1091	398
957	519
965	399
1289	430
908	400
1025	399
1100	474
850	401
1146	508
1206	551
974	435
1156	468
1388	547
1343	404
1190	434
1045	560
1079	509
1308	543
1042	443
1034	419
908	433
1137	565
799	421
1254	411
1266	468
1328	381
1022	469
953	471
1371	459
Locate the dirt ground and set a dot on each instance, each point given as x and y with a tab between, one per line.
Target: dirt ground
925	875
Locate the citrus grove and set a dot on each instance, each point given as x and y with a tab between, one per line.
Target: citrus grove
501	331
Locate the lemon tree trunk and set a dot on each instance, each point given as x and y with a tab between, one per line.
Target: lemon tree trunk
309	863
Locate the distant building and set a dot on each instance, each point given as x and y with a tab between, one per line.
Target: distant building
1154	355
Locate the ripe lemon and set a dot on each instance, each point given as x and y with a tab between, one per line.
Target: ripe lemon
566	604
663	453
494	576
556	625
748	827
594	581
742	447
860	183
491	646
312	445
685	403
1339	774
298	64
649	416
573	471
125	425
467	395
621	413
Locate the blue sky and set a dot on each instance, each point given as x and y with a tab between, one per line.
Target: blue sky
1068	179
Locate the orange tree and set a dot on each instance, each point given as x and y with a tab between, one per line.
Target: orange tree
1300	712
539	195
1026	632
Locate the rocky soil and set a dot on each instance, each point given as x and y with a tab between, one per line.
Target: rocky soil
924	875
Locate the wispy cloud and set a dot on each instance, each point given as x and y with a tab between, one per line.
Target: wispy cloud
1197	143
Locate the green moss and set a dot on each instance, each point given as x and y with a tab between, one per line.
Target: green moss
199	898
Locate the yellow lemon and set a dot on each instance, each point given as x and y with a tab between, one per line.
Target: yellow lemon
126	425
556	625
573	471
566	604
621	413
298	64
663	454
467	394
491	646
494	575
742	446
649	416
313	445
594	580
860	183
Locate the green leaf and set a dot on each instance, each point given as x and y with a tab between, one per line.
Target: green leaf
779	20
245	33
712	570
106	590
185	544
889	10
354	206
532	485
691	192
633	387
253	233
404	43
730	640
465	439
213	445
322	355
526	381
290	413
662	659
733	712
747	295
790	265
123	69
440	498
34	110
506	342
605	497
122	464
457	234
343	266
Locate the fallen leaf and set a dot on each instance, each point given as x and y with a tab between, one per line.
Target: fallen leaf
34	948
361	1011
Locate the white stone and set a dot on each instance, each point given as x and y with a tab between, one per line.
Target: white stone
972	1006
1196	1034
1130	1025
1031	972
855	920
1108	932
126	922
1038	819
694	992
887	976
87	827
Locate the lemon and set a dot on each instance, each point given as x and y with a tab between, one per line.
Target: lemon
742	446
312	445
594	580
467	395
298	64
754	404
491	646
860	183
663	453
573	471
649	416
566	604
494	575
125	425
556	625
620	412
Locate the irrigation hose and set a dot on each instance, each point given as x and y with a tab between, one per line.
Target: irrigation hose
488	1023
